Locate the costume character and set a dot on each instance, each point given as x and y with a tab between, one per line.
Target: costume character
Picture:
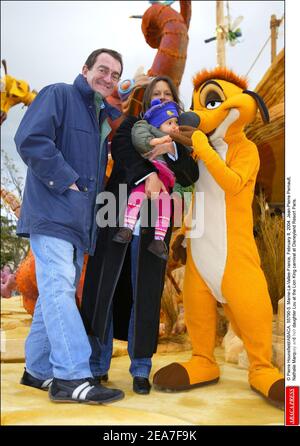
223	265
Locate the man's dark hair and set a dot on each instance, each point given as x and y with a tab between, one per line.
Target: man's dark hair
93	56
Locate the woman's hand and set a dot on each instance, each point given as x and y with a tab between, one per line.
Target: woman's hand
161	149
153	186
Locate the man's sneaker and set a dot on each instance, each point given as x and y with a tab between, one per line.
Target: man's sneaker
124	235
82	391
31	381
159	248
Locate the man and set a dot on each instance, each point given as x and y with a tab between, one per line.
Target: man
63	140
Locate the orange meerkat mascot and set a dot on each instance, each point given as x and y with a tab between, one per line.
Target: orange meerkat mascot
223	264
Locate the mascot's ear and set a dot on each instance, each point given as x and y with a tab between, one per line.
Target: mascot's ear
260	104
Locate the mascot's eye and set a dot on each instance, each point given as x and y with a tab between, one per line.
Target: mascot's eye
213	104
211	95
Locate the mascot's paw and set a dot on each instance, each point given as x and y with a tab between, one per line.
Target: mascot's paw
269	383
175	378
276	394
200	144
179	252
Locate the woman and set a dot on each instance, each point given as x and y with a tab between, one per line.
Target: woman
124	282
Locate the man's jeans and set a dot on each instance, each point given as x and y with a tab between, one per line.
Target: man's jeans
102	353
57	344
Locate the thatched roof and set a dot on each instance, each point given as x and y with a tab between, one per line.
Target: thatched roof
271	87
269	138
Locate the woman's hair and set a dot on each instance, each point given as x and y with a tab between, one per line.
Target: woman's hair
149	91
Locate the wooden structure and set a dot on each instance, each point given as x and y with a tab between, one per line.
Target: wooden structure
269	138
274	24
221	55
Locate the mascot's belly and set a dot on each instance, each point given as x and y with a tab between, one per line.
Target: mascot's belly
209	251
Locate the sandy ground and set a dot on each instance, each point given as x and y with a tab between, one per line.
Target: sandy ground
230	402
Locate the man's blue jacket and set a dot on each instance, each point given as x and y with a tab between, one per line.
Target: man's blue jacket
60	142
